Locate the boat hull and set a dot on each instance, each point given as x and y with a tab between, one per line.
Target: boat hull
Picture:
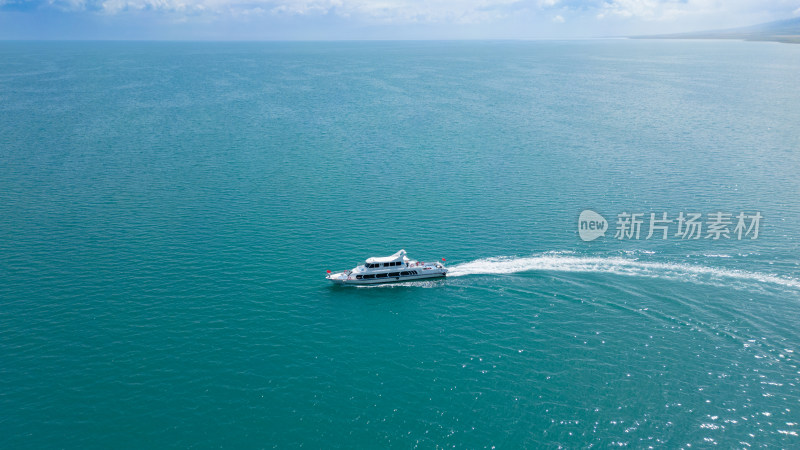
386	280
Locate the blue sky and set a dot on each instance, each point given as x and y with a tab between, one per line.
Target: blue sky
375	19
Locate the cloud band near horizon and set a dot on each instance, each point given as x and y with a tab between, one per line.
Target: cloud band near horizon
481	18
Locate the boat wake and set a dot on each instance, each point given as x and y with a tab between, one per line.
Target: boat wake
617	266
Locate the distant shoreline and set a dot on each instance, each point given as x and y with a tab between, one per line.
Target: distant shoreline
784	31
785	39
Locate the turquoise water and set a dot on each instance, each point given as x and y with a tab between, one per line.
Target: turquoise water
168	212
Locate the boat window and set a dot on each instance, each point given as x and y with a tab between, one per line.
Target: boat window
358	277
369	276
394	274
382	275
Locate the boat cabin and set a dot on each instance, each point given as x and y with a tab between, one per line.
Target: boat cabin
396	260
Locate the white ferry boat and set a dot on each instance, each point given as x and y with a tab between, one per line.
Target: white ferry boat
389	269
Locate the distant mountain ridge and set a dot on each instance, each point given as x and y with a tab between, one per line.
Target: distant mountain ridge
787	31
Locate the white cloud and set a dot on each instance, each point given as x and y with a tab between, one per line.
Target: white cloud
621	14
402	11
68	5
671	10
405	11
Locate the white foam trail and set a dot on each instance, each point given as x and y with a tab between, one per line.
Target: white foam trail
614	265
